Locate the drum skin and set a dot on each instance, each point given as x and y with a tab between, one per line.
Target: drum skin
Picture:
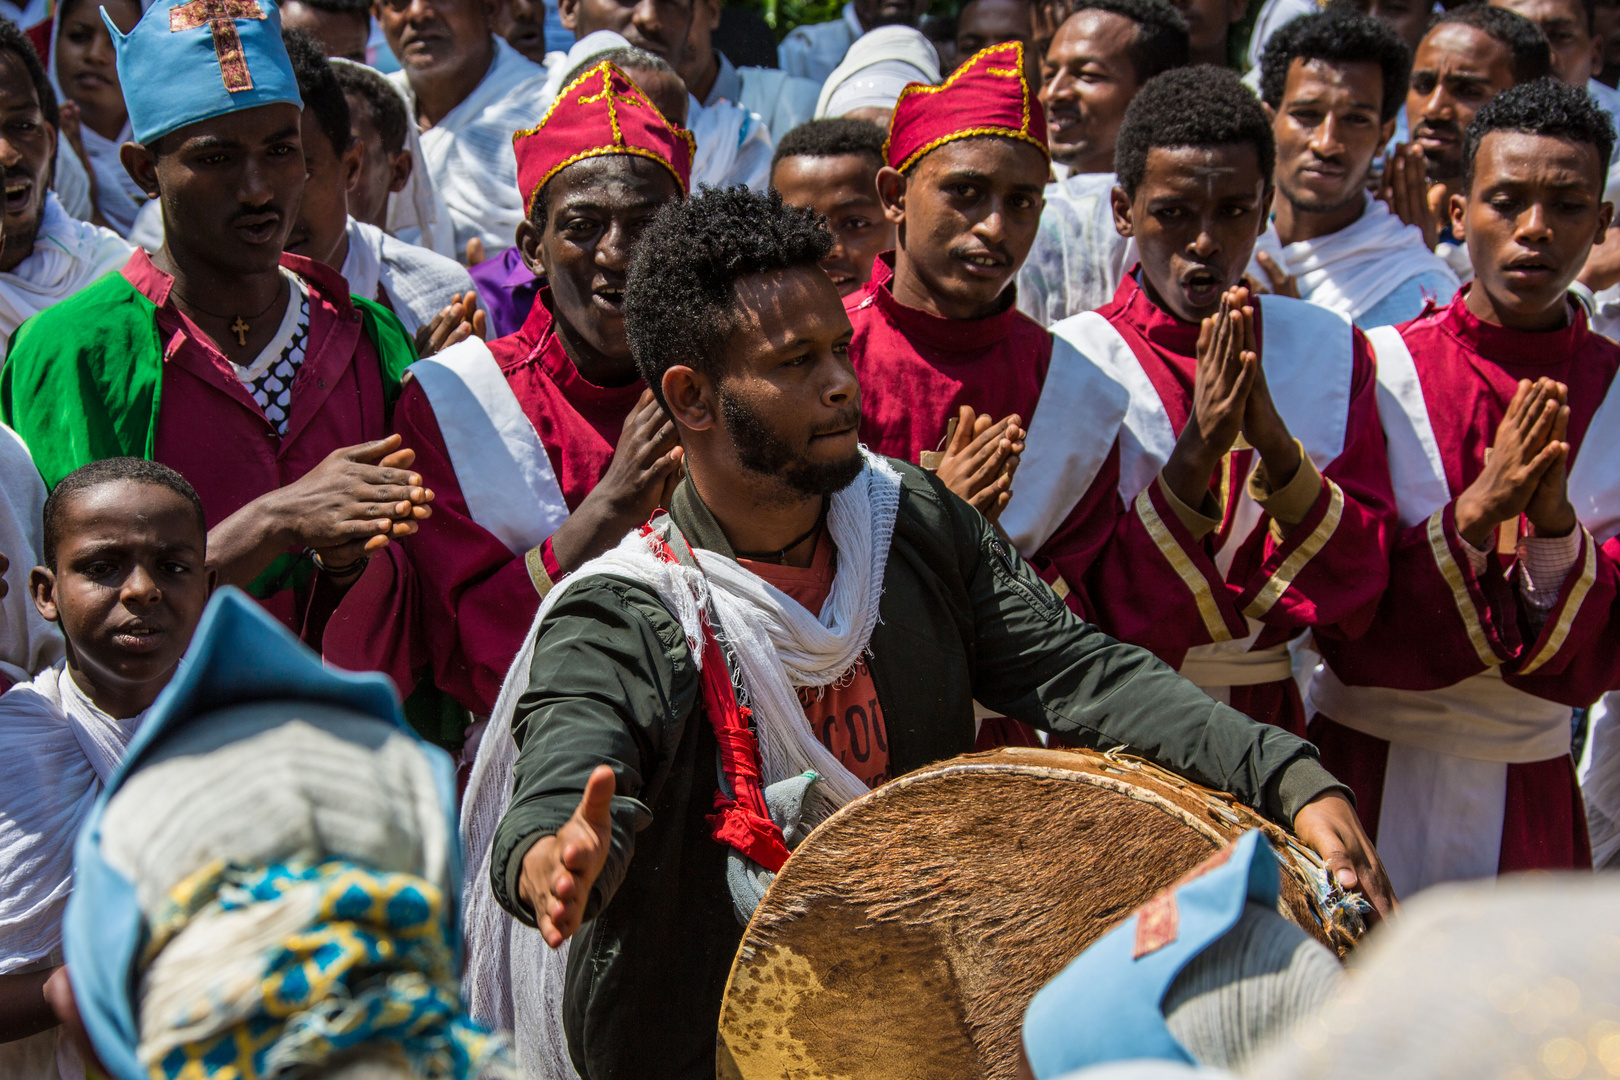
907	934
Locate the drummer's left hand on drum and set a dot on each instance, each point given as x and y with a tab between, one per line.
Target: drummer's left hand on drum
559	870
1329	826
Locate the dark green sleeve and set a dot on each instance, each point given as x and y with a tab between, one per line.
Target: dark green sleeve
612	682
1038	662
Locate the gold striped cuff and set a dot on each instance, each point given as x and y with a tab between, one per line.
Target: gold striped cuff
1307	550
537	570
1458	582
1208	609
1554	639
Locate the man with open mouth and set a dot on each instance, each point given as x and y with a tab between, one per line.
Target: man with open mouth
584	452
1451	716
1206	469
252	373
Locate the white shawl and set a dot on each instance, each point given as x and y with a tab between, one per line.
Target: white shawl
469	152
1078	258
418	282
513	979
733	145
56	751
1351	270
67	256
28	644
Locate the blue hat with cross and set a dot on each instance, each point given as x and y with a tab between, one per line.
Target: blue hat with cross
201	59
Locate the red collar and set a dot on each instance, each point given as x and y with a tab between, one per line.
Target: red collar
967	336
1501	345
327	284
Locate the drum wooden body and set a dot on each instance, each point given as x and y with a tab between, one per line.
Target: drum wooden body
907	934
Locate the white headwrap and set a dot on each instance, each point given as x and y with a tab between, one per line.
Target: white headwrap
876	68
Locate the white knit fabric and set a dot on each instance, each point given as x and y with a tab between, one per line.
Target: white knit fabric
419	283
514	981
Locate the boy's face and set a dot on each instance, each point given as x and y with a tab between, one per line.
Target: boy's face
1328	131
1530	218
1456	70
1087	81
1195	217
381	173
1575	55
323	213
128	587
968	213
843	189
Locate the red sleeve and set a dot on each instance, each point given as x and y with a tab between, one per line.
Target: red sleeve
1330	570
457	599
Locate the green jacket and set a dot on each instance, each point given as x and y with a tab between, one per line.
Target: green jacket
962	618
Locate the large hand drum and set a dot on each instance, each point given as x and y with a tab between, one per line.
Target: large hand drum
906	935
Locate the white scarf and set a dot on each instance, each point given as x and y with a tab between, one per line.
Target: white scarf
56	751
419	283
1351	270
514	981
67	256
469	153
733	145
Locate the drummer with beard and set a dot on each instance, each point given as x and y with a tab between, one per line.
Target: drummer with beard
893	606
1208	468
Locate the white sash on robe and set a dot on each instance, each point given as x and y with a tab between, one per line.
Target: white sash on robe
503	468
1449	748
1308	354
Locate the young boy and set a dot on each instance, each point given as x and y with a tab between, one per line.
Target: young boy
1206	468
831	166
1450	717
124	578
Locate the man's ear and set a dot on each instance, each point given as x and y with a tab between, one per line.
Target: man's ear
1387	132
528	245
141	164
1120	203
714	15
1457	208
690	398
353	158
402	172
891	187
42	587
1605	220
1271	114
1265	205
568	13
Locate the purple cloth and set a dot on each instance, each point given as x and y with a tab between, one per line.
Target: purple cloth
506	291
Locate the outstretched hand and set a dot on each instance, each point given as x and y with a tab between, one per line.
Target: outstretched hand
1526	447
1328	826
559	870
980	459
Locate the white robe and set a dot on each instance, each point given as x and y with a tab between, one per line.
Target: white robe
469	152
1353	270
56	751
813	50
28	644
417	282
1078	258
68	255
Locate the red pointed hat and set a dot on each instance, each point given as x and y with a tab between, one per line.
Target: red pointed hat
987	95
601	112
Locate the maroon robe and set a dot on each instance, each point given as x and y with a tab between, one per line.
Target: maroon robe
454	601
1135	568
211	431
1440	623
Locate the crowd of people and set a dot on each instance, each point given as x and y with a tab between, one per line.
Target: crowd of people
659	453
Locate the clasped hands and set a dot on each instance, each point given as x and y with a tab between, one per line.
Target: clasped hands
1230	398
1525	470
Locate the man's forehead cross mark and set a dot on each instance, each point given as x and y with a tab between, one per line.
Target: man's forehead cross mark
219	16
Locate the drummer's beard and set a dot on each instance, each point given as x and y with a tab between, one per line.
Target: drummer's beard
761	450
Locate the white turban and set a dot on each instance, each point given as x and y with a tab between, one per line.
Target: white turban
876	68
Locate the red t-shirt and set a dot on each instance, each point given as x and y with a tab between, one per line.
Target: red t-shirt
845	715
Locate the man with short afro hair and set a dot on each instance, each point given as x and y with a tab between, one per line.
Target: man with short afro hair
1451	715
831	166
1334	83
1207	476
612	834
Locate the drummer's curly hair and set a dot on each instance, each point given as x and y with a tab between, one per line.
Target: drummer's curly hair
679	299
